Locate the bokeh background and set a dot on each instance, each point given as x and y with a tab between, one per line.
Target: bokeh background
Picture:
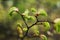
8	24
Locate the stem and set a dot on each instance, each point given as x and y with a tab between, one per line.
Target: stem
23	19
25	24
35	22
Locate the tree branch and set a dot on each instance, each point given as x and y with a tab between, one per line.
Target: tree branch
25	24
23	19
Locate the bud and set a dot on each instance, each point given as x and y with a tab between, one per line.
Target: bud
13	9
16	9
57	20
57	25
43	37
26	13
33	10
42	12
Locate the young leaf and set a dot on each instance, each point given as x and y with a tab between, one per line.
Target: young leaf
46	25
26	13
20	31
18	24
35	30
57	25
24	29
33	10
43	37
42	12
32	18
13	9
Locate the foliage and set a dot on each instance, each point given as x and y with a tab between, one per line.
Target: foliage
26	15
35	30
57	25
13	9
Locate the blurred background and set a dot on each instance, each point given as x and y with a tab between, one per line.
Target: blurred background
8	24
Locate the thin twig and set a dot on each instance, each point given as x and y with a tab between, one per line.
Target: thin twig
30	27
23	19
34	23
25	24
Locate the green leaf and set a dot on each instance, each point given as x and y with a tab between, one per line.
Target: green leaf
43	37
46	25
57	25
20	30
18	24
24	29
13	9
35	30
26	13
32	18
33	10
42	12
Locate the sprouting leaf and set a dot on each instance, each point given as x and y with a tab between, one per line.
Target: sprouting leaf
24	29
20	31
32	18
33	10
57	25
26	13
42	12
35	30
36	33
18	24
43	37
46	25
13	9
11	13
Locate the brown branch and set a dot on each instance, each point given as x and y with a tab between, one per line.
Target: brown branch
25	24
23	18
34	23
